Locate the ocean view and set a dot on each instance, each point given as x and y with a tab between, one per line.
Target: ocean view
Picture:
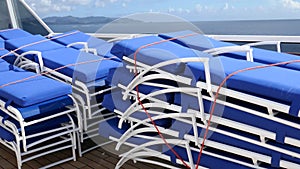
260	27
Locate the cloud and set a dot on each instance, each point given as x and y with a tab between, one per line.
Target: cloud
226	6
100	4
293	4
172	10
46	7
198	7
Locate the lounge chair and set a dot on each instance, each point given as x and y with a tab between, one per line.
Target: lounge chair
143	146
258	94
86	72
36	115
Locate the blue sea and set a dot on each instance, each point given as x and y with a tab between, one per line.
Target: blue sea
253	27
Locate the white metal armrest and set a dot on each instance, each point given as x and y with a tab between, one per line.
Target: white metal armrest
204	60
136	151
31	66
85	47
134	129
84	44
90	50
37	53
130	36
229	49
277	43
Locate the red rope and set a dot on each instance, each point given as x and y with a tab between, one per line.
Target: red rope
217	95
138	95
54	70
215	99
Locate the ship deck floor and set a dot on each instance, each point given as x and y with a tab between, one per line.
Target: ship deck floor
101	158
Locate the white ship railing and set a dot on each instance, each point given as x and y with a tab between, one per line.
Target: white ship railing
232	38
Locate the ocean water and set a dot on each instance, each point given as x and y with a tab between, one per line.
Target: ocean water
259	27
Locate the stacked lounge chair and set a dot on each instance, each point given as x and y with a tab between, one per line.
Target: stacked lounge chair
37	114
119	86
85	72
255	121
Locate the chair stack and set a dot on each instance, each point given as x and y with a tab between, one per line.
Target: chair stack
84	71
255	113
36	113
160	97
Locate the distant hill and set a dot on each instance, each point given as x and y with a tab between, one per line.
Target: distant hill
83	20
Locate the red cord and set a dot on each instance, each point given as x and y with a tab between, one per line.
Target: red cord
138	96
217	95
215	99
54	70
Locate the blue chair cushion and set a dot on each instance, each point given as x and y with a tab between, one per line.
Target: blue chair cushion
77	36
97	68
28	44
154	54
7	56
4	66
103	48
45	108
109	128
1	43
32	91
259	82
13	34
201	42
282	130
207	160
33	129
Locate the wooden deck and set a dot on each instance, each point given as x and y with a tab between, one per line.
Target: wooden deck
101	158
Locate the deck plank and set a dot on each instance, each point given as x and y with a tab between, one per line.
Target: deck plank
98	158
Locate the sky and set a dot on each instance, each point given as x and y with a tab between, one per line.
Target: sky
192	10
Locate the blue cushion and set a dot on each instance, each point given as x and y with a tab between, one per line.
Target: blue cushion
271	83
207	160
33	91
1	43
114	100
201	42
282	130
4	66
77	36
13	34
7	56
95	70
33	129
45	108
103	48
154	54
270	57
43	44
110	128
222	138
